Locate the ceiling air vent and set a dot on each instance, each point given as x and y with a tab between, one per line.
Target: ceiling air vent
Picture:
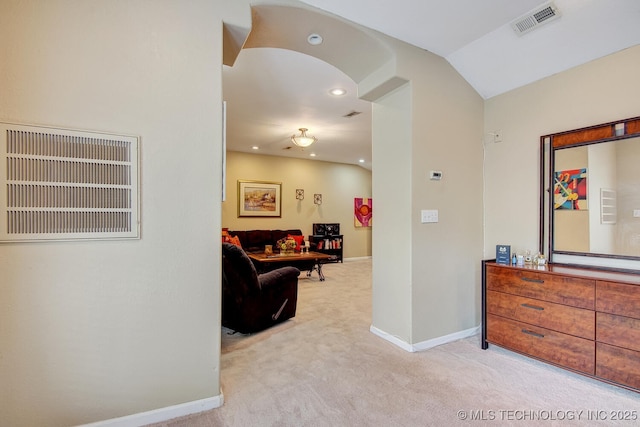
535	18
351	114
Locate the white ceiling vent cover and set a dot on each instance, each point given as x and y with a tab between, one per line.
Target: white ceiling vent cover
532	20
60	184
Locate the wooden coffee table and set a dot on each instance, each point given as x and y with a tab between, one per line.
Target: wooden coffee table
308	261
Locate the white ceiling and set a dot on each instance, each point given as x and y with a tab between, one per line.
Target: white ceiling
270	92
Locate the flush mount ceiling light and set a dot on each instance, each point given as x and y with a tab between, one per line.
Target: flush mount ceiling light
314	39
303	140
337	91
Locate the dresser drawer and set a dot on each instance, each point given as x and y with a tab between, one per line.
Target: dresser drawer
618	364
618	298
565	290
561	318
618	330
562	349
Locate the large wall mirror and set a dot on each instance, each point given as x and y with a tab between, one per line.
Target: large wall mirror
590	195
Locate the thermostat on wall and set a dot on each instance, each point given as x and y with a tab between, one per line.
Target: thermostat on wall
435	175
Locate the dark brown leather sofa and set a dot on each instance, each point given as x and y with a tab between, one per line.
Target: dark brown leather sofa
252	302
255	240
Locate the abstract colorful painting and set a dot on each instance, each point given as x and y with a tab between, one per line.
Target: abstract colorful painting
363	209
570	189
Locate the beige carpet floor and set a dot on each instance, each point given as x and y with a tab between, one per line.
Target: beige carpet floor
325	368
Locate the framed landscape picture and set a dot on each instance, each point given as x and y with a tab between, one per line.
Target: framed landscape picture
259	198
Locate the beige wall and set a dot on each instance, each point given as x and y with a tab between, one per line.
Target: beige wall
97	330
392	265
430	271
447	129
601	91
338	183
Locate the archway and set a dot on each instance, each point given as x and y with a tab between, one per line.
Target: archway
357	52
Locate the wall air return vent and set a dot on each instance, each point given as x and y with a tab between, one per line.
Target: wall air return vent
58	184
532	20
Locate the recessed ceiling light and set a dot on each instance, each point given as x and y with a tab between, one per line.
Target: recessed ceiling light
312	155
314	39
255	147
337	91
361	160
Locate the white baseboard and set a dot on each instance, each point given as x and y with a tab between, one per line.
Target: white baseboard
357	258
424	345
392	339
162	414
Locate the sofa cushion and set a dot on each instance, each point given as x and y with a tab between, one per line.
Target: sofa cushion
298	238
256	239
278	235
241	235
234	240
282	234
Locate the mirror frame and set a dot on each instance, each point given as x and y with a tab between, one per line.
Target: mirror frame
605	132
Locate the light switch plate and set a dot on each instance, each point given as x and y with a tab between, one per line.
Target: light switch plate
428	216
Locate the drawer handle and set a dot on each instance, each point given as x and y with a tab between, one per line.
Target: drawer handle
535	307
527	279
535	334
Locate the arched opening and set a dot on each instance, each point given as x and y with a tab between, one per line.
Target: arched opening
348	53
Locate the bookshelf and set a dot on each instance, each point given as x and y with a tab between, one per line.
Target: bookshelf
328	244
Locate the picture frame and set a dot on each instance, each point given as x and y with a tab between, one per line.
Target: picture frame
570	190
363	212
259	199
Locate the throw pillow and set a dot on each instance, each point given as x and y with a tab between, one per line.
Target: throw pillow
299	240
235	240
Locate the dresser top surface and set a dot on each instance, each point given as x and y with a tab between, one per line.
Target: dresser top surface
589	273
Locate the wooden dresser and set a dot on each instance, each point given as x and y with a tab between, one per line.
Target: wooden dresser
585	320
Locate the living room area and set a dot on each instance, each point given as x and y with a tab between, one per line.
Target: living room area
338	184
309	195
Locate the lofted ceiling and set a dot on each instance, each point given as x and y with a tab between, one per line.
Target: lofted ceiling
272	92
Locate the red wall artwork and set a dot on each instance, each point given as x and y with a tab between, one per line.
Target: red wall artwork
363	208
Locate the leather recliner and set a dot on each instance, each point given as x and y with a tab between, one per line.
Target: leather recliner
252	302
